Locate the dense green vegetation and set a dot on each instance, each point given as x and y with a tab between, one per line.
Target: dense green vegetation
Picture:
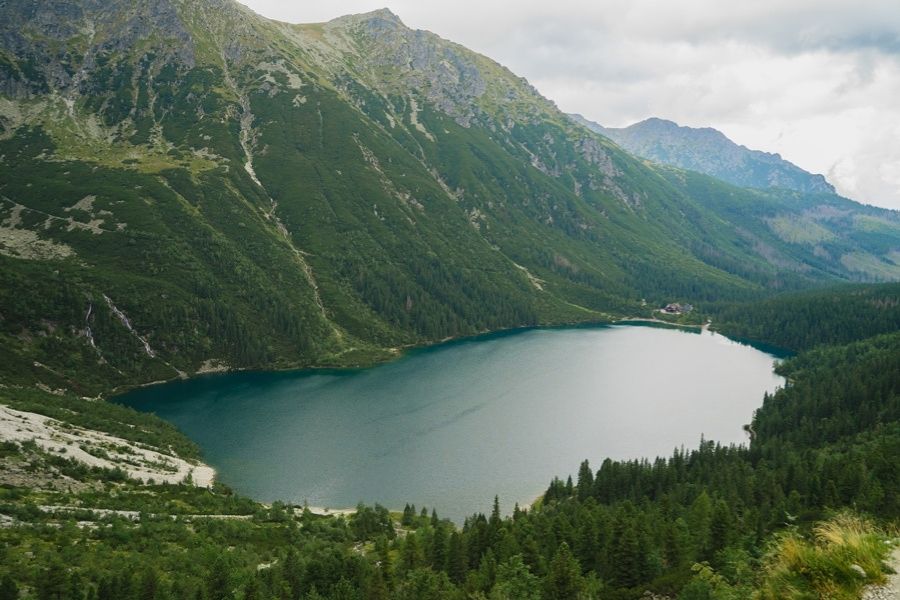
385	205
382	207
803	320
715	522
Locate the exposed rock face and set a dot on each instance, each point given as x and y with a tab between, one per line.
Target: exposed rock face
394	58
708	151
58	42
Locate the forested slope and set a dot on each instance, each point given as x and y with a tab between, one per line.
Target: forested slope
827	442
803	320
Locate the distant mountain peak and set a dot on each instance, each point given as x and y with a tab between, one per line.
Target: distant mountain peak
386	14
711	152
382	16
661	122
665	125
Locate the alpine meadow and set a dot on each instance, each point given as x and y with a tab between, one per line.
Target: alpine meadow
189	190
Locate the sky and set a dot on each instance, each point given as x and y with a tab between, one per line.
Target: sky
817	81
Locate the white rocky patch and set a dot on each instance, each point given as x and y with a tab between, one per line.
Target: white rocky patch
87	326
205	153
94	226
404	197
535	281
890	590
414	119
127	323
15	217
98	449
86	204
294	80
247	134
12	112
213	365
25	243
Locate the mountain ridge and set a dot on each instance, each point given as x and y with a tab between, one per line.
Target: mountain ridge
253	193
228	192
708	150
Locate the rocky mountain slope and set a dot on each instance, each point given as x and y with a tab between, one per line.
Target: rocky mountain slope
709	151
186	186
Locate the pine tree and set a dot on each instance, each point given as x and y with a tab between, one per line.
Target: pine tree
251	590
585	481
495	513
409	514
439	541
516	582
699	521
720	528
149	588
377	589
8	589
411	555
383	551
627	555
564	580
218	584
456	558
292	572
487	571
54	583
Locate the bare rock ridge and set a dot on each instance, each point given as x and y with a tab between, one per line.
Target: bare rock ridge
380	17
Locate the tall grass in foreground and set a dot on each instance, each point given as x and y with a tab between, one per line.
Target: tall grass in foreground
844	555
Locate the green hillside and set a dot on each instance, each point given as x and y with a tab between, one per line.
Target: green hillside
188	186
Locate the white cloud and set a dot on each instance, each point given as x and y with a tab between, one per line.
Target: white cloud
815	80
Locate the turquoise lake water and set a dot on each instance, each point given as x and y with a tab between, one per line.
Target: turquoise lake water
451	426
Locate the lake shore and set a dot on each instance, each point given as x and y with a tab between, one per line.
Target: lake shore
474	410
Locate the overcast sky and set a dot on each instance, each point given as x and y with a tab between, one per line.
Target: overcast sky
817	81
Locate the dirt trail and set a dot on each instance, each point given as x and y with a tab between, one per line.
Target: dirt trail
890	590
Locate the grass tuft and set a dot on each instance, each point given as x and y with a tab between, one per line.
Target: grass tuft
828	565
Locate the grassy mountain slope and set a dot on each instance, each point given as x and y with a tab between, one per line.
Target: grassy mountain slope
805	232
186	186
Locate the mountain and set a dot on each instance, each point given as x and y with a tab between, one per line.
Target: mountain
708	151
186	186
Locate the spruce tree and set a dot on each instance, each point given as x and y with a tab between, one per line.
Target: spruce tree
585	481
456	558
515	581
564	580
218	583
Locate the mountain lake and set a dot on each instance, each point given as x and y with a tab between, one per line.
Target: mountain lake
450	426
